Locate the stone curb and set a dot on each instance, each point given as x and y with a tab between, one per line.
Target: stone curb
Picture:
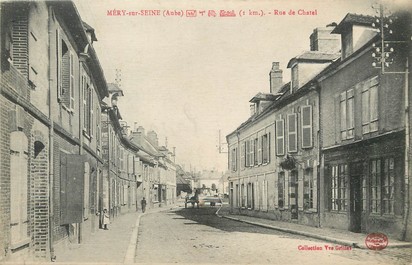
311	235
131	249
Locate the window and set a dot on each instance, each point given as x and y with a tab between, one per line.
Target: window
259	150
280	137
85	88
67	82
252	153
247	153
71	82
370	105
234	159
292	133
281	189
382	186
266	148
338	188
375	186
347	122
243	195
307	140
255	151
308	191
250	196
388	186
242	155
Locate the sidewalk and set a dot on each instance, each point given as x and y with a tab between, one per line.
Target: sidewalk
116	245
341	237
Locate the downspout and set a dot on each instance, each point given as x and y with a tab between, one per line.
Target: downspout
407	133
321	166
51	146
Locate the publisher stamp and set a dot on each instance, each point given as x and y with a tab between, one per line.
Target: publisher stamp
376	241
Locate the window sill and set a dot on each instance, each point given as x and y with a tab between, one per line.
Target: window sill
70	111
310	211
20	244
85	134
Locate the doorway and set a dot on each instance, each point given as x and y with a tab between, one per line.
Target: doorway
356	196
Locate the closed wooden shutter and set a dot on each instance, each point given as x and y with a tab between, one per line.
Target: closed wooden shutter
280	137
71	188
292	133
18	189
307	138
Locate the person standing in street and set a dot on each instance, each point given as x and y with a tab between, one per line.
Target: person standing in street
143	203
106	219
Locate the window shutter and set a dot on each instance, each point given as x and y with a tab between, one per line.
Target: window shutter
58	66
242	155
315	186
280	137
72	83
343	117
268	149
275	193
252	153
300	190
86	189
307	127
286	189
292	133
259	154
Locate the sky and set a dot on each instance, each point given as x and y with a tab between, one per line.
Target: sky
187	78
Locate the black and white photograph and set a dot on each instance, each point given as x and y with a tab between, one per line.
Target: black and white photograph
205	132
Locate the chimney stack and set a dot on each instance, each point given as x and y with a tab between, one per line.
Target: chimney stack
152	136
322	40
276	78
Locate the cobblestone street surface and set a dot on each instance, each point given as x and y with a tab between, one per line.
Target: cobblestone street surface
199	236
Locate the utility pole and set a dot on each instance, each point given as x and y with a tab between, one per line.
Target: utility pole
383	55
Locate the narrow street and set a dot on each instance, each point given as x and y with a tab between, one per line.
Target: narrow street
199	236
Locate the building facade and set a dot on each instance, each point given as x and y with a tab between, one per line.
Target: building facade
331	148
364	134
65	154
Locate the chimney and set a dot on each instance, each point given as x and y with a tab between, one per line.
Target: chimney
135	127
152	136
322	40
276	78
252	109
141	130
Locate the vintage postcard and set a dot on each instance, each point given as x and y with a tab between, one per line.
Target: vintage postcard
205	131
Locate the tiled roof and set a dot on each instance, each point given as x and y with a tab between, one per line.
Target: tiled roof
263	96
314	56
113	88
353	19
90	29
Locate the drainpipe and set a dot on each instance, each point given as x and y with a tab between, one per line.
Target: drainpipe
407	133
51	146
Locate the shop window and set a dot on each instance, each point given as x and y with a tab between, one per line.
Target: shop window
339	200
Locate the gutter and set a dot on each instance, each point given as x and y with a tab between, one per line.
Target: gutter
407	146
51	147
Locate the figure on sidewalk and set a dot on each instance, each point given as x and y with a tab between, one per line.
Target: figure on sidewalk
106	219
143	203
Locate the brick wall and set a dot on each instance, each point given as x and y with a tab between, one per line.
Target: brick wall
20	43
4	177
39	192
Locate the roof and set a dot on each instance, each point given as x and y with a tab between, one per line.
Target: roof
264	96
313	56
69	13
114	88
353	19
90	29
